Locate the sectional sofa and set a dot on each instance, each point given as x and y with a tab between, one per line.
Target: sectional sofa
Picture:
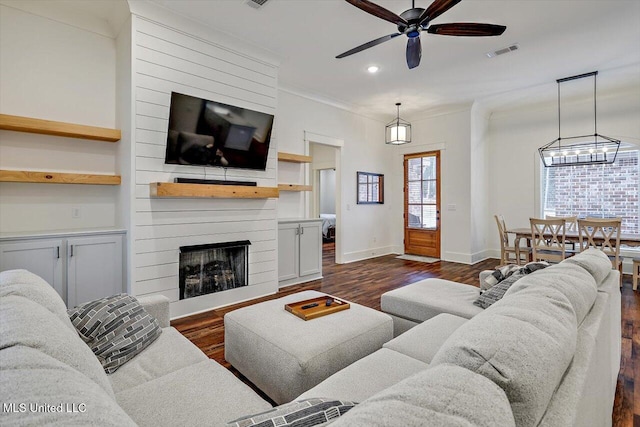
547	354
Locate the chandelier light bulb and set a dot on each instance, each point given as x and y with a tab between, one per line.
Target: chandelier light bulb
565	152
577	152
552	153
604	149
591	150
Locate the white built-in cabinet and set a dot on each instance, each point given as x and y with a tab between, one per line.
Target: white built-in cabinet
299	251
81	266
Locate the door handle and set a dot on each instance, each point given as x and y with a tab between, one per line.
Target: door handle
301	230
58	252
71	251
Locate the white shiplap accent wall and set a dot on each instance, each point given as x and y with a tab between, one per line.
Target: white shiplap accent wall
169	59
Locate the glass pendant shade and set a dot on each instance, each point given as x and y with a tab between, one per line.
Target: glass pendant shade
398	131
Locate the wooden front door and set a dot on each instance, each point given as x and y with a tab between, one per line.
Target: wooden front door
422	204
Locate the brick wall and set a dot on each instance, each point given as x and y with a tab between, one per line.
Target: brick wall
596	191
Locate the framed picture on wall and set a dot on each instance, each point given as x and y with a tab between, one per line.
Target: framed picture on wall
370	188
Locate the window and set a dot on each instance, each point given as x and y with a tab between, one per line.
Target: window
599	191
422	191
370	188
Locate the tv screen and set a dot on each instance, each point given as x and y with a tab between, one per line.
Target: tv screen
209	133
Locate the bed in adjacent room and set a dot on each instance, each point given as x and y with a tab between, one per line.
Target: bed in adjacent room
328	226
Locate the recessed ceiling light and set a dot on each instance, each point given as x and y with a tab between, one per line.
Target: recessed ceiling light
373	69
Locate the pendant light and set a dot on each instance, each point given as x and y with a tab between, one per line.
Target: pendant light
589	149
398	131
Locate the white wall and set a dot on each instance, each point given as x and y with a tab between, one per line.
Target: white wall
173	54
62	72
479	211
515	134
450	133
365	228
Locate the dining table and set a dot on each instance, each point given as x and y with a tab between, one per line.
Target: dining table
627	239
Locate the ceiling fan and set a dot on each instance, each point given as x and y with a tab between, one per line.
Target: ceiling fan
415	20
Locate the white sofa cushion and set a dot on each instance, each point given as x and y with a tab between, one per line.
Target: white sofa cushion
427	298
594	261
33	287
204	394
29	376
528	370
367	376
573	281
169	353
423	341
29	324
442	396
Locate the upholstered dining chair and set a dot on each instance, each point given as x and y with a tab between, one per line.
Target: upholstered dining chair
603	234
548	239
510	254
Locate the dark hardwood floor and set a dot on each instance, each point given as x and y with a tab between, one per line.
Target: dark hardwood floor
363	282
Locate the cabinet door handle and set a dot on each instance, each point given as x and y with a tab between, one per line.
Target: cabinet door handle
58	250
301	230
71	253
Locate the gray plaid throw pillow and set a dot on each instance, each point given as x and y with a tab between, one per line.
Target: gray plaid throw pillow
116	328
302	413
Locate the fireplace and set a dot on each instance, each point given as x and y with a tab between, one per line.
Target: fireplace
215	267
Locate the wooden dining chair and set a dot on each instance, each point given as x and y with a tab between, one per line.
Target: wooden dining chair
571	224
603	234
510	254
548	239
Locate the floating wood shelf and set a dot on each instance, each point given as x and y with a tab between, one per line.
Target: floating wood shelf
294	158
294	187
49	127
58	178
170	189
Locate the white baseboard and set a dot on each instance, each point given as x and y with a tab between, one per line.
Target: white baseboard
457	257
349	257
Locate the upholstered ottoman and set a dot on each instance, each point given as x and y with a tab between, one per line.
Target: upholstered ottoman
420	301
284	355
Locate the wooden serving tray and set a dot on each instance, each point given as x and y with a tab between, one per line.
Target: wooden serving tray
318	311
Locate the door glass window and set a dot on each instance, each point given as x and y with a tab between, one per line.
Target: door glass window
422	192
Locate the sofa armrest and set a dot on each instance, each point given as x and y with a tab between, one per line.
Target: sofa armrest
158	307
483	275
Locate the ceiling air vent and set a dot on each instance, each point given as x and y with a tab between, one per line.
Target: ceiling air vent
502	51
256	4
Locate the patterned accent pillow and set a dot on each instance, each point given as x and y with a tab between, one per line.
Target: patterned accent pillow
499	274
116	329
506	276
495	294
312	412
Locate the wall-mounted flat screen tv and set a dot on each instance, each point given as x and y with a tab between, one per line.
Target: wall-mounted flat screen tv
209	133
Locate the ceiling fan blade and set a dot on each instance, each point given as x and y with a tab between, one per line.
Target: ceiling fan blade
467	29
414	52
367	45
378	11
437	8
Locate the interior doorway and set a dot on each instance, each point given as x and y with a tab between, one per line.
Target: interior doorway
422	204
324	195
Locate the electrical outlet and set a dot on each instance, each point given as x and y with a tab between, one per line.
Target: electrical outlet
75	212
